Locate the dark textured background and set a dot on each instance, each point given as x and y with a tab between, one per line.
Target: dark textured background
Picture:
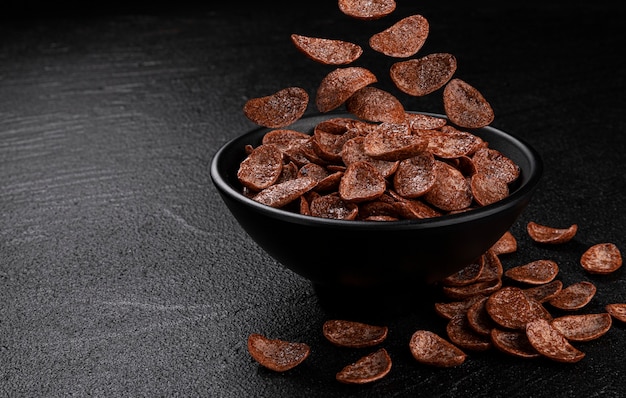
123	274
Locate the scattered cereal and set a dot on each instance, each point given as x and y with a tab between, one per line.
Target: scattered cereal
544	292
574	296
506	244
513	342
602	258
535	272
478	318
353	334
431	349
466	275
583	327
449	310
617	311
511	308
366	369
463	336
546	234
275	354
551	343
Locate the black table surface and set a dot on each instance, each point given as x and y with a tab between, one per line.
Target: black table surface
122	273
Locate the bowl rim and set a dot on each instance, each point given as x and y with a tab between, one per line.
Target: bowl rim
534	176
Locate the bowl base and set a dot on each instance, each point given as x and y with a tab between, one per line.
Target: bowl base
377	302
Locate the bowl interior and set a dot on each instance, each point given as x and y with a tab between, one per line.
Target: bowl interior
227	159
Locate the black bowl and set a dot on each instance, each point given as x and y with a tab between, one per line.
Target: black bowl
397	256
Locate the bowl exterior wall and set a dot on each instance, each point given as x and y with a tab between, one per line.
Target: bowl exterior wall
373	258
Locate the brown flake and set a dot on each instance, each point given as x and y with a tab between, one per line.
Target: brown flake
345	333
275	354
367	369
431	349
279	109
327	51
402	39
422	76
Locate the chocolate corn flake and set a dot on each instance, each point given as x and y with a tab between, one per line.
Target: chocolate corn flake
510	308
467	291
367	9
261	168
451	190
279	109
465	106
447	142
411	209
345	333
466	275
574	297
333	206
544	292
327	51
402	39
492	269
415	175
487	189
551	235
361	182
463	336
354	151
276	354
601	258
551	343
448	310
494	163
339	85
617	311
279	195
373	104
392	141
506	244
431	349
583	327
479	319
420	121
535	272
421	76
367	369
513	342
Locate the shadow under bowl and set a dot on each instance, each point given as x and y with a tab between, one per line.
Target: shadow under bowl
349	260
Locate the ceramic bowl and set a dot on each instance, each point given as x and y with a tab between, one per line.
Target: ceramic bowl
348	256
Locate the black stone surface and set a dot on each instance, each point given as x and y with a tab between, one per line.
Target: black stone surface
123	274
